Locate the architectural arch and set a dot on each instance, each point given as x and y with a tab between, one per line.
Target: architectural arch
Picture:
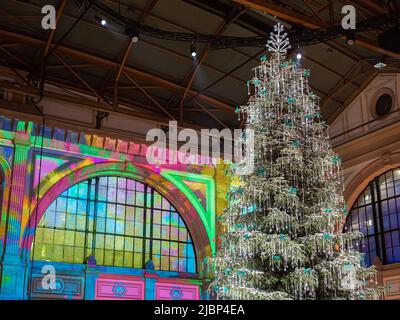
357	185
52	188
376	214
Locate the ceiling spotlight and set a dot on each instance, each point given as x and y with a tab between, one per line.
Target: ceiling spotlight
101	20
193	51
350	38
135	37
380	65
133	33
299	56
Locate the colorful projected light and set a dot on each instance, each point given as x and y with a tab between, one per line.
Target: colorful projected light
203	202
119	221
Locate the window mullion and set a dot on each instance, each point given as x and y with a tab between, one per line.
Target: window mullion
144	226
379	218
96	193
151	224
87	220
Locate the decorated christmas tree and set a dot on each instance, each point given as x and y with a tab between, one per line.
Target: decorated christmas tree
282	237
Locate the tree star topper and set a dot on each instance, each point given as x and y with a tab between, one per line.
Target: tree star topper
279	41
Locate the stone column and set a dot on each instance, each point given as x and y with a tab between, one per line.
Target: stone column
91	275
13	280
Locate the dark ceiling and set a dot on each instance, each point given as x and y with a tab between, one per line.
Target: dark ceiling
159	78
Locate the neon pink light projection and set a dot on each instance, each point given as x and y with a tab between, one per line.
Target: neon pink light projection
45	165
100	167
116	288
176	291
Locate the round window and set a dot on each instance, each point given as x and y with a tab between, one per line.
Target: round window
384	105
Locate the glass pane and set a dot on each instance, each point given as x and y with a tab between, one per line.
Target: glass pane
386	213
109	218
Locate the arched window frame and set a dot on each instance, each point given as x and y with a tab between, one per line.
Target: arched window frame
149	207
376	213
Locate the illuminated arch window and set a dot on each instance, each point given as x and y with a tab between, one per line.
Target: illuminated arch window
118	221
376	214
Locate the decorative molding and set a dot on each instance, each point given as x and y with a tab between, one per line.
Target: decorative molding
392	287
374	99
176	291
385	163
119	289
207	210
67	287
17	197
84	143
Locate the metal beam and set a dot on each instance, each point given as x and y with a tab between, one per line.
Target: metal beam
149	7
367	81
119	72
60	11
342	82
371	6
189	78
210	114
93	105
16	18
280	12
90	58
308	22
148	95
87	85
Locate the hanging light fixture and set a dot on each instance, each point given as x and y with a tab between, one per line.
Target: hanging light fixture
133	33
350	38
193	51
101	20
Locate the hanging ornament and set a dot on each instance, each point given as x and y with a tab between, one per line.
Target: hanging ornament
307	270
288	123
327	236
296	143
336	160
260	171
279	42
228	271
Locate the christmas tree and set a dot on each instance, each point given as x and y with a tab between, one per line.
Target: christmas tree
282	236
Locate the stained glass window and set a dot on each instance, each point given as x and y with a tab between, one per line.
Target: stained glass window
376	214
119	221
